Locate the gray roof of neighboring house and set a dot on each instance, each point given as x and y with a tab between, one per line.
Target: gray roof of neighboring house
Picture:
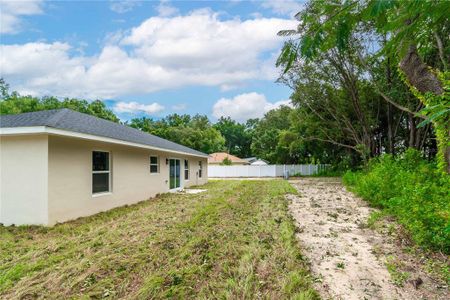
67	119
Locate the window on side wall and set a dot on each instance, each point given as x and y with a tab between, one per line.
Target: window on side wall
154	164
200	169
186	169
101	172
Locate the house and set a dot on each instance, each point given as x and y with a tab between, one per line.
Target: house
218	157
58	165
254	161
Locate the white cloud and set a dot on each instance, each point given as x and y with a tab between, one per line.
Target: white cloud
134	107
123	6
11	13
161	53
179	107
164	9
41	68
245	106
283	7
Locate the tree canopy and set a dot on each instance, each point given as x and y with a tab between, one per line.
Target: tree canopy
196	132
238	136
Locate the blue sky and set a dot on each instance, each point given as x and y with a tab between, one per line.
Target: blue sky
149	58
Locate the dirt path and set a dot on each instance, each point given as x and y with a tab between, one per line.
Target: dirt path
349	260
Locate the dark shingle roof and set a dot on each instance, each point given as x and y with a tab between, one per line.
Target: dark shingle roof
70	120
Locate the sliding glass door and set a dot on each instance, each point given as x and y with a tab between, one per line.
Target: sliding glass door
174	173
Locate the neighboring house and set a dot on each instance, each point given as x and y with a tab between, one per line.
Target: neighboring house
58	165
218	157
254	161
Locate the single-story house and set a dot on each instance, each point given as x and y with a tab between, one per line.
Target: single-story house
58	165
254	161
217	158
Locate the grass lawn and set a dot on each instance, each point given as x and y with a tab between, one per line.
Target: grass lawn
234	241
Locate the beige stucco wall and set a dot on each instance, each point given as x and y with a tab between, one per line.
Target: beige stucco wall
23	179
70	177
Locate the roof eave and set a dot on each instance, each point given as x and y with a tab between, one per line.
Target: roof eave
6	131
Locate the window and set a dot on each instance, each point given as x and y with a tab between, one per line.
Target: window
154	164
200	169
186	169
101	172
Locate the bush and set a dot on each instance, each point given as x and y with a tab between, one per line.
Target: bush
226	162
413	190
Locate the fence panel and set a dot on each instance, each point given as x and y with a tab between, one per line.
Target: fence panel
263	170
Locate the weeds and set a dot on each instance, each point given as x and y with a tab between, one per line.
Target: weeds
340	265
398	277
374	218
413	190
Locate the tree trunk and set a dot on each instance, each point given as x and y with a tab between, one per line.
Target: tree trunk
412	131
390	130
447	156
418	73
390	135
420	77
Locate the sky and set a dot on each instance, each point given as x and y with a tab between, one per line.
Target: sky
149	58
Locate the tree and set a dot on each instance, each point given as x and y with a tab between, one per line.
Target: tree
195	132
413	30
267	133
237	136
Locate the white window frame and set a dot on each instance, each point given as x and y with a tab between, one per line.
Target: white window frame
200	169
101	172
150	164
186	169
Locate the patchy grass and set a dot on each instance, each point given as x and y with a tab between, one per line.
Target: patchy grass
394	267
234	241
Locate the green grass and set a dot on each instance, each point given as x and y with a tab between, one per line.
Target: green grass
234	241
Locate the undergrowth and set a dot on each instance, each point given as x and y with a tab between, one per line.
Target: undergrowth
411	189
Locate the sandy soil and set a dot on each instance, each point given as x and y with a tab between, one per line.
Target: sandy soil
348	259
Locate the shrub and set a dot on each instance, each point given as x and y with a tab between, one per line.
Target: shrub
413	190
226	162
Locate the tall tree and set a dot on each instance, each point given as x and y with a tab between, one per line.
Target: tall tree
237	136
267	133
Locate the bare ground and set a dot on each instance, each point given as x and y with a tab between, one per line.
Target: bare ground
350	260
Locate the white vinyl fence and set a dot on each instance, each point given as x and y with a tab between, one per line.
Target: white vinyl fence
263	171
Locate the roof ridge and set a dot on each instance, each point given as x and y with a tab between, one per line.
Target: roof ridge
53	120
